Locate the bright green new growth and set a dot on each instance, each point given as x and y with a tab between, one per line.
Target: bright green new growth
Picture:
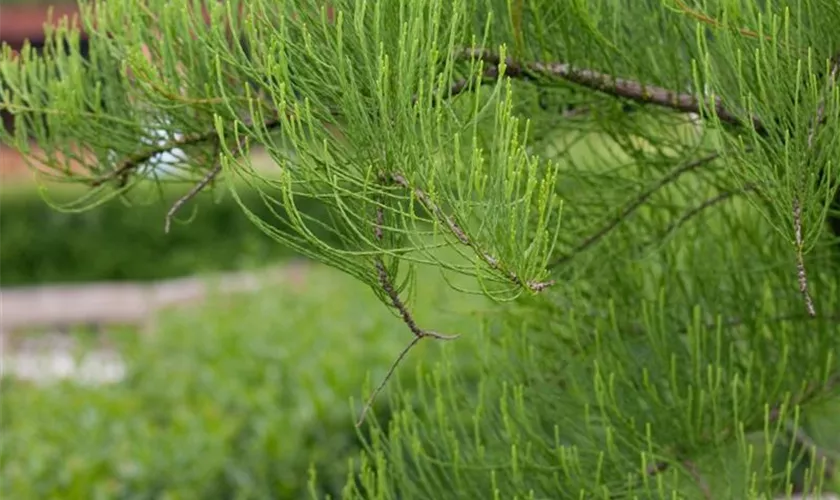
656	342
362	73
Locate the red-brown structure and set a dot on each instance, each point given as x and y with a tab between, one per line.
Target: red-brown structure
19	23
25	22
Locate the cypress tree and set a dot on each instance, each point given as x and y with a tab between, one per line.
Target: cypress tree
665	293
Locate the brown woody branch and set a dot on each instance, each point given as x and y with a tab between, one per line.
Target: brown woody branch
203	183
133	162
405	314
802	276
396	301
180	202
633	90
602	82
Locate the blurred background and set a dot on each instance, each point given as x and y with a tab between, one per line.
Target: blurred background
209	362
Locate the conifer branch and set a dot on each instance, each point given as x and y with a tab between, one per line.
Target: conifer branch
461	235
802	276
133	162
683	102
811	391
207	179
720	198
203	183
634	205
405	314
391	370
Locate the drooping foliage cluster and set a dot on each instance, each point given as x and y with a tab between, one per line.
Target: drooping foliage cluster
646	189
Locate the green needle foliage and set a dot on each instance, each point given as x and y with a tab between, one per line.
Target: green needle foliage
664	338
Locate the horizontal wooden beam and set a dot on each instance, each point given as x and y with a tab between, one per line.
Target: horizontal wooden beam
57	306
20	22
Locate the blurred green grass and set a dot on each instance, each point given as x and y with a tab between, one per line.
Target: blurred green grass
235	398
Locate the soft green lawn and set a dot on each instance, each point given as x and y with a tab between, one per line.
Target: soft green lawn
231	399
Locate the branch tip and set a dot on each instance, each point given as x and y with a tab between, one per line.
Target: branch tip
180	202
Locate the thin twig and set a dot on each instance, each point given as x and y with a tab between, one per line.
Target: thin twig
720	198
391	370
633	206
133	162
397	302
405	314
207	179
701	483
801	274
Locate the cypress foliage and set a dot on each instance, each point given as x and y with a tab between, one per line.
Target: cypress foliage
666	290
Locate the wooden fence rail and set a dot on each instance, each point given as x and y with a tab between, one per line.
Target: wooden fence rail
60	306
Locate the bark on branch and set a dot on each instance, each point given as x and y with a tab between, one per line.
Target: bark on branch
634	90
405	314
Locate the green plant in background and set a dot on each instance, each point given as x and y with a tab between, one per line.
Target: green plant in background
669	335
123	240
242	397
